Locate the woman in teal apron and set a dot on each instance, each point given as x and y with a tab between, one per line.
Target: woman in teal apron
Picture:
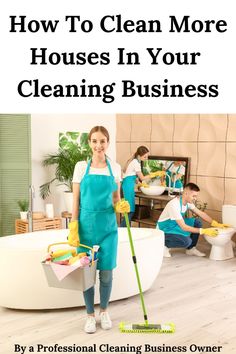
176	183
133	171
96	194
175	237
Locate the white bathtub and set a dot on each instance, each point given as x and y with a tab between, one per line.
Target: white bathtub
24	285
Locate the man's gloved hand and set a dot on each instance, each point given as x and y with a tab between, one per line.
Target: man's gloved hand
122	206
157	174
73	237
219	225
209	232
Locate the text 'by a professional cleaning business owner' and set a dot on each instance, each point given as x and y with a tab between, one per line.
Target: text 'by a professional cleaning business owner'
107	348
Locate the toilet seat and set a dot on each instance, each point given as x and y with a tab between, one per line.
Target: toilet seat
222	245
222	248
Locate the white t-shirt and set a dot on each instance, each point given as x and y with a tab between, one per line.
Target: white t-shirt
172	210
81	166
173	168
133	167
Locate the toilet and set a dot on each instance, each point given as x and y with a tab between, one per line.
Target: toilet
222	248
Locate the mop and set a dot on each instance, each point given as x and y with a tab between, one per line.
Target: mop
145	327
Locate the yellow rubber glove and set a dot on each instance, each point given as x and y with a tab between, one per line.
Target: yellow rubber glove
73	237
157	174
143	184
219	225
209	232
122	206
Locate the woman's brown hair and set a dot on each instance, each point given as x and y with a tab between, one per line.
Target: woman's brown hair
99	128
141	150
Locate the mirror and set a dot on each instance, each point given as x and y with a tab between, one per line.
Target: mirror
176	168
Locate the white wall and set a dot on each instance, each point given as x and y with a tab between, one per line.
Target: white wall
45	129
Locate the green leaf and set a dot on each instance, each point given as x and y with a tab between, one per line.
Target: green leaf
23	204
63	142
65	160
74	135
84	139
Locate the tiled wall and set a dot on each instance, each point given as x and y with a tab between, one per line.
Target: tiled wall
208	139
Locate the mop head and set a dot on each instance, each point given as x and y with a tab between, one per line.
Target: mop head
146	328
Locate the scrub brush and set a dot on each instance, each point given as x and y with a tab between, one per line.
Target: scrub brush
146	327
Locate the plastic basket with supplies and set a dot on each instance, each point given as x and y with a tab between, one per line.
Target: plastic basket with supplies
64	268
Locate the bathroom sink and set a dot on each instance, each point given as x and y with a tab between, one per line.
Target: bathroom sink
153	190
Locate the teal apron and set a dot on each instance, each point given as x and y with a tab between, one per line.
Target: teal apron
97	218
178	183
171	227
128	187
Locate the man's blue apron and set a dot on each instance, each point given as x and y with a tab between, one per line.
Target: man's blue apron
97	218
171	227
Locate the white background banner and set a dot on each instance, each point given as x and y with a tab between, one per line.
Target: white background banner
123	56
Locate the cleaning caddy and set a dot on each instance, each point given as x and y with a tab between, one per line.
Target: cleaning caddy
64	268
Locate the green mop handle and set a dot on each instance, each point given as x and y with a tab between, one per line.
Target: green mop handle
136	269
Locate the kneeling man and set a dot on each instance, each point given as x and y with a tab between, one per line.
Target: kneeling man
182	232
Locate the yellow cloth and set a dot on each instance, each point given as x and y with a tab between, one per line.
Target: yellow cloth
60	253
219	225
209	232
122	206
157	174
77	257
73	237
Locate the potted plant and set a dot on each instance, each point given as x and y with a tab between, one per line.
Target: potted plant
23	205
73	147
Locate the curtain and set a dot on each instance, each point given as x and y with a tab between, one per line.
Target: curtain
15	167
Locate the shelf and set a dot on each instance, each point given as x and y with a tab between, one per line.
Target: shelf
22	226
149	214
160	198
147	221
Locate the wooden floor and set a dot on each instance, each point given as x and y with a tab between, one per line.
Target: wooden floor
197	294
